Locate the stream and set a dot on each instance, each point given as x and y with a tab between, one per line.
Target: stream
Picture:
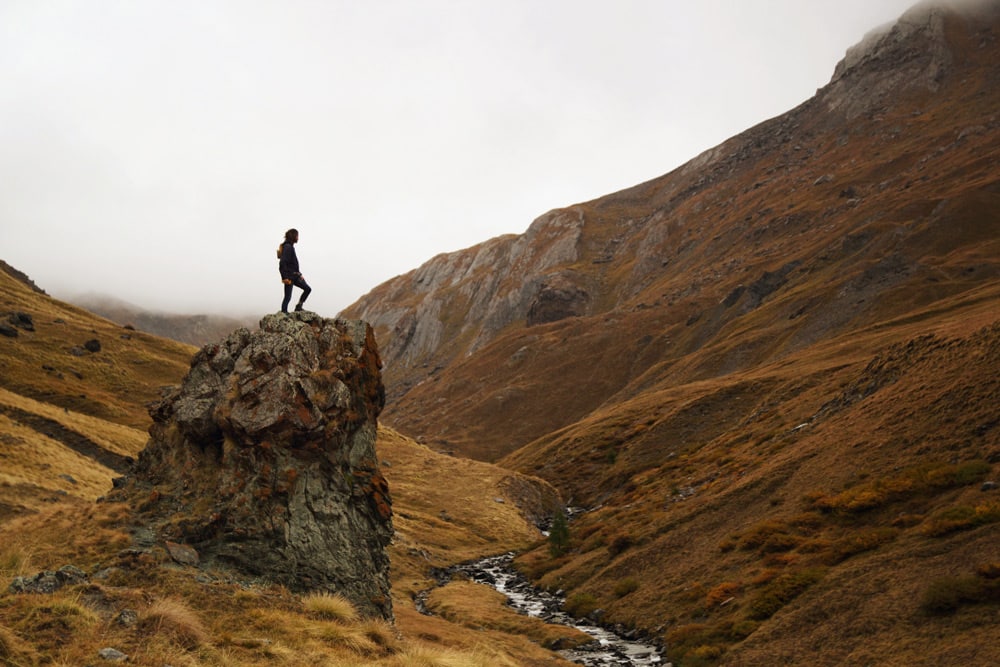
607	650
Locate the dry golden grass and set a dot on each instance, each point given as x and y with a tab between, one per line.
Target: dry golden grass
751	462
330	606
175	621
48	464
113	384
425	656
116	438
481	608
188	623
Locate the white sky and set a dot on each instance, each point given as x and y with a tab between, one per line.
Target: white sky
157	150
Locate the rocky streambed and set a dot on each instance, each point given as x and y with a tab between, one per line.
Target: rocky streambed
608	649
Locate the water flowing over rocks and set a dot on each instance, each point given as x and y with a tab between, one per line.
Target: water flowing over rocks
263	461
611	647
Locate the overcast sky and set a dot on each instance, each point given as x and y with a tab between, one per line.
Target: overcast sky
157	151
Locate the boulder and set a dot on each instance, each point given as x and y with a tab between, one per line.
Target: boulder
263	461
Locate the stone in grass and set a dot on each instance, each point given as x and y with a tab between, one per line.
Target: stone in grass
112	655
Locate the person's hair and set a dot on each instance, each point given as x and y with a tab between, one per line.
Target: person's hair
290	234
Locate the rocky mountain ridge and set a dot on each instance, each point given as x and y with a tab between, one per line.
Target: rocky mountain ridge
829	210
766	377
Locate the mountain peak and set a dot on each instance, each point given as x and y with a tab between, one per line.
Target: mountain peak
914	52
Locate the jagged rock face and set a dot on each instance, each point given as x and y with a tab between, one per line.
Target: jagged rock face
911	53
558	298
813	222
264	459
457	302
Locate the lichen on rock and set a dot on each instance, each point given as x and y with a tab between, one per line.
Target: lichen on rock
263	459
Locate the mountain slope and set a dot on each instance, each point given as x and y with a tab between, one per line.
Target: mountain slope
66	356
191	329
768	376
873	198
60	451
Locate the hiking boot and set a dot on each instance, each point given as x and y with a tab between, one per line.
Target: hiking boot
298	307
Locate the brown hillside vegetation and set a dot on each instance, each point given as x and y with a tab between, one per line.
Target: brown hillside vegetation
56	460
48	360
769	376
447	510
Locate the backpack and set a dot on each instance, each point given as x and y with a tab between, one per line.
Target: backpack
280	248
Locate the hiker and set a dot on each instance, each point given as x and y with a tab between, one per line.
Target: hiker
289	268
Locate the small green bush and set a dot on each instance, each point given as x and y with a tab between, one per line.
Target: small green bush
580	605
626	586
559	535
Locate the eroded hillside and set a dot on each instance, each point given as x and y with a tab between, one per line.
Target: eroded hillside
766	377
874	198
67	416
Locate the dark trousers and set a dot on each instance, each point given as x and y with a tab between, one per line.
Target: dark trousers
301	284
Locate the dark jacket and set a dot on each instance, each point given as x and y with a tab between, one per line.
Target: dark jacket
288	265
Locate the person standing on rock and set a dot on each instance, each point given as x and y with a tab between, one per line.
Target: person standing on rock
288	265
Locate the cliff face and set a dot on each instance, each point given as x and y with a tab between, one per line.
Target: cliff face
263	460
458	302
864	203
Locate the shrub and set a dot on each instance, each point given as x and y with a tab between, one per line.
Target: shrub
743	629
703	653
626	586
947	594
962	517
685	637
989	570
331	606
620	543
860	541
782	590
724	591
559	535
770	537
919	480
696	644
580	605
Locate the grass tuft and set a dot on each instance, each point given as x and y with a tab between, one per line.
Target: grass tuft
176	622
330	606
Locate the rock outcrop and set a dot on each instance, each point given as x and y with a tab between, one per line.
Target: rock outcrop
263	461
810	224
483	290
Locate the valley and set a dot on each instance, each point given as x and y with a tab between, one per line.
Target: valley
767	383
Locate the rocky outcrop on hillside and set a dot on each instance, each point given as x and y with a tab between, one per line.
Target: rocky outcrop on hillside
835	215
472	295
263	461
910	52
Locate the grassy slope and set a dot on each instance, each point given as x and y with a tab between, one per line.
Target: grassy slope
794	478
832	494
113	384
447	510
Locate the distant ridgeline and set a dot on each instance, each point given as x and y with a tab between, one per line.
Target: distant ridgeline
19	276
